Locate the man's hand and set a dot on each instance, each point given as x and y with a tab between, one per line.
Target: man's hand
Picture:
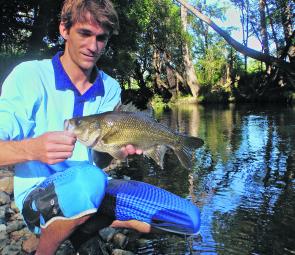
130	150
51	147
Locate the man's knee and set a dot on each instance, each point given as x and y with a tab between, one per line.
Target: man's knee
76	192
84	189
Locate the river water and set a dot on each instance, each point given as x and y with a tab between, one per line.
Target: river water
242	179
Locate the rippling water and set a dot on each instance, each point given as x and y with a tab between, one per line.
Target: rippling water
242	180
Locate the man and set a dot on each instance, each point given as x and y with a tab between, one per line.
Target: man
56	184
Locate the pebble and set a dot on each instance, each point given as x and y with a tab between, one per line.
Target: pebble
6	184
14	226
3	228
4	198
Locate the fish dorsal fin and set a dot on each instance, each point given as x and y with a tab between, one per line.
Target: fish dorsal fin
157	153
131	107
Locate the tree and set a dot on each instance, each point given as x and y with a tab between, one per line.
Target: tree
282	72
238	46
191	77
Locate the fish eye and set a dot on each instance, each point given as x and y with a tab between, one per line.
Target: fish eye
78	122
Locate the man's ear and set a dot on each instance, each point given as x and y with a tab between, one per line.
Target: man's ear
64	32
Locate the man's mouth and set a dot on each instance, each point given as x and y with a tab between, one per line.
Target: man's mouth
93	56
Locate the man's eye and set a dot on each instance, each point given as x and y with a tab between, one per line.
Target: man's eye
83	34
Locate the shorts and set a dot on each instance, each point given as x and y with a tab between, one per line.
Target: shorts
133	200
70	194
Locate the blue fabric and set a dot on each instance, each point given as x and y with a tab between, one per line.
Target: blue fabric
35	100
75	192
79	188
155	206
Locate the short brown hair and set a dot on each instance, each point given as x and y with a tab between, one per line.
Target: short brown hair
101	11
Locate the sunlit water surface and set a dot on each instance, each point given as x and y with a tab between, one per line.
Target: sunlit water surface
242	180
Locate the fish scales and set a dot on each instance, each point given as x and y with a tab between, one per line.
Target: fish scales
141	128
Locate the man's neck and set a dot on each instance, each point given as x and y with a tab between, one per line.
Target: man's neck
81	79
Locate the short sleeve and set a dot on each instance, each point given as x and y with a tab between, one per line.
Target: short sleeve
19	102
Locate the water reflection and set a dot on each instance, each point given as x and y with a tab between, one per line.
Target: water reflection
242	180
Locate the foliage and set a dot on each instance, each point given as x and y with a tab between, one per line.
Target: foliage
212	66
29	29
255	66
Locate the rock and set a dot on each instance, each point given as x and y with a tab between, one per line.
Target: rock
107	233
20	234
30	244
6	184
93	246
3	228
4	239
66	248
12	249
14	207
120	240
4	198
3	213
14	226
8	213
121	252
16	216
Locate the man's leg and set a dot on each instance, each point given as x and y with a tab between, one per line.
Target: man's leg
57	232
62	202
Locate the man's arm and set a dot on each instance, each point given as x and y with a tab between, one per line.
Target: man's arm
50	148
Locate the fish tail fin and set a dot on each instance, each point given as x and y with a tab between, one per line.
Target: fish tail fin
184	150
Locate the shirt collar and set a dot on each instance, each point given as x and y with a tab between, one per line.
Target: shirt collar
63	81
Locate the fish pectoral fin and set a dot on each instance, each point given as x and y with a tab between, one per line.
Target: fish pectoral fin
157	153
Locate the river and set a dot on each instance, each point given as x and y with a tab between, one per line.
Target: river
242	179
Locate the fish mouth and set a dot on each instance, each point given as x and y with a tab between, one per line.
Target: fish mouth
67	125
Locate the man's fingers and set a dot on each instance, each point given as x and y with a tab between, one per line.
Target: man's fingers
60	148
53	158
61	137
130	149
139	151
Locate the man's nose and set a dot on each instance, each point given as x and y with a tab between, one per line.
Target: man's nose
93	44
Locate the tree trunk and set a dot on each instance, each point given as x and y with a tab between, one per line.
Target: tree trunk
274	33
286	17
171	77
191	77
245	27
160	86
263	31
287	67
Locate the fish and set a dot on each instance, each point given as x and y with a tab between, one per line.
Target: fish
110	131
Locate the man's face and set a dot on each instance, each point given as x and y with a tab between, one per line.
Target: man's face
85	43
